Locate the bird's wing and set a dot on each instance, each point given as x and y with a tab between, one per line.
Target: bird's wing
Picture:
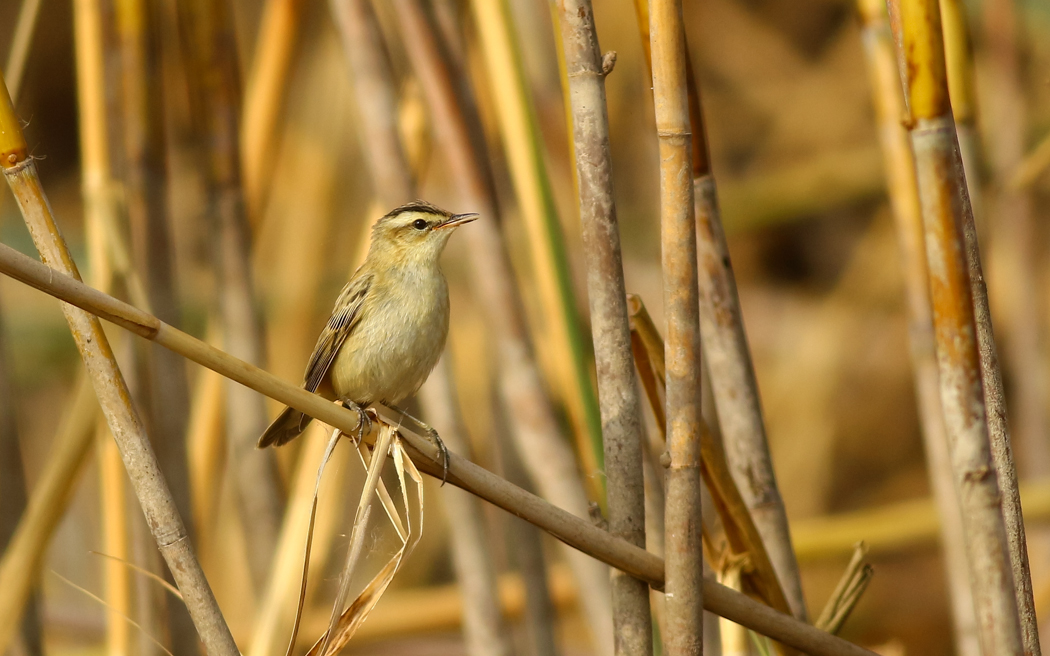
345	316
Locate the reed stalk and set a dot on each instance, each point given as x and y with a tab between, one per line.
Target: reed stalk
13	491
571	530
888	96
24	553
115	542
523	144
962	87
618	393
1034	164
484	628
728	353
548	459
951	256
264	96
155	497
683	605
210	51
20	42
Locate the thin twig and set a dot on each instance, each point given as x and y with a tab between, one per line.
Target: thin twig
573	531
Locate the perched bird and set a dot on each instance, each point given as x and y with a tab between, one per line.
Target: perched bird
389	324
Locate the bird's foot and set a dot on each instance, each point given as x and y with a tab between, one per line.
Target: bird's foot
446	459
364	422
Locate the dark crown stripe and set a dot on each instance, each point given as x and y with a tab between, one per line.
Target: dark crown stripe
417	206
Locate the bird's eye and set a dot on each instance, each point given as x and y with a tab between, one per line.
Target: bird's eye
419	224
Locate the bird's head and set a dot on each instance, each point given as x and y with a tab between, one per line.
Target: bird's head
416	231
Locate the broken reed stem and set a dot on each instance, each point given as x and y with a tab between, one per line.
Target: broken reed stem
617	389
683	606
888	96
375	93
211	62
264	100
523	143
980	453
114	397
577	533
20	42
727	351
547	457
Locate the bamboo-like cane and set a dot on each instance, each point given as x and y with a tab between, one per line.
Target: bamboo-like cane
264	99
888	97
210	51
547	457
571	530
683	607
112	391
24	554
13	491
484	628
523	143
729	356
618	392
950	255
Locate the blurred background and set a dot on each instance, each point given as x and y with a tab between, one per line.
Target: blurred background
790	119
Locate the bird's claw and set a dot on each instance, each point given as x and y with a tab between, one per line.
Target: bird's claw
446	459
364	422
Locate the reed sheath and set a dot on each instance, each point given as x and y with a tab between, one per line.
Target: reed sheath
950	258
888	96
573	531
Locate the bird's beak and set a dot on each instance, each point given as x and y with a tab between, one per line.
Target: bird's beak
457	220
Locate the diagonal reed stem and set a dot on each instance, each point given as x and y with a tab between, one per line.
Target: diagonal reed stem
573	531
114	397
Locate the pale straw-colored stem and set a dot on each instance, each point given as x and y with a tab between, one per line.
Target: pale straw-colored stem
115	542
951	254
210	53
888	96
548	458
610	331
571	530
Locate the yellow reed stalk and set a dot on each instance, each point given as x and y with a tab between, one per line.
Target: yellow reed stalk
114	542
20	42
550	264
206	450
576	533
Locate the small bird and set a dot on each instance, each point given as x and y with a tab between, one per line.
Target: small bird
389	324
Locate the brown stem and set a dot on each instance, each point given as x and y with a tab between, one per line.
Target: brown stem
617	390
907	213
210	49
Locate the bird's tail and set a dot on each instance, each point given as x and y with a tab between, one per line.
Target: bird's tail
285	428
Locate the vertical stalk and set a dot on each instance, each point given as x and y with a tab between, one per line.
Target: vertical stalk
550	263
683	608
728	356
484	628
547	457
264	99
114	542
962	87
211	54
113	395
888	96
950	255
610	331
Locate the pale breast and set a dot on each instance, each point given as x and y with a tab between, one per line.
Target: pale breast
398	341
